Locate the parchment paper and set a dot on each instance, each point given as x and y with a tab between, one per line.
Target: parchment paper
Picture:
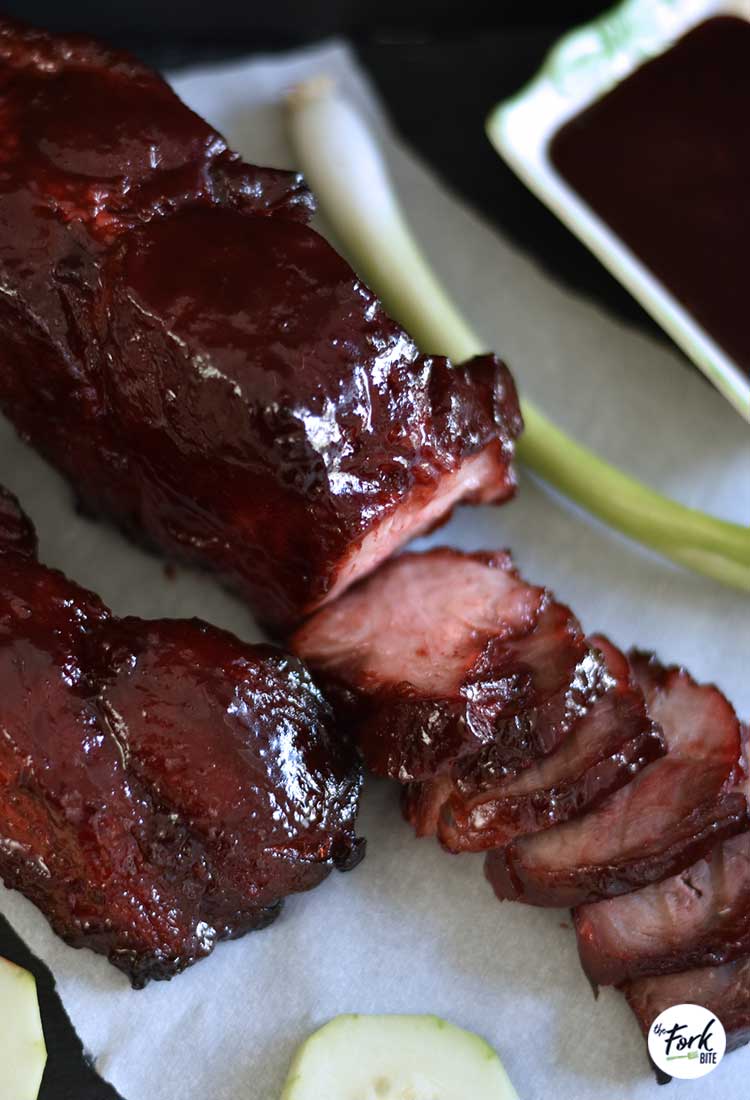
413	929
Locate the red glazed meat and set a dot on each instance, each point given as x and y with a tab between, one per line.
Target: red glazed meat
202	365
668	817
162	785
723	990
441	653
482	809
700	917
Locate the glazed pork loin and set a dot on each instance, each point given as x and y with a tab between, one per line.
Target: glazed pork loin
202	366
209	373
162	785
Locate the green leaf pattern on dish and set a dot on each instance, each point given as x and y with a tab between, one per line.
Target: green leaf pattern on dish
600	53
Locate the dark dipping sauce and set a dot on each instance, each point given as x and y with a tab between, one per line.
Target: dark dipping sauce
664	159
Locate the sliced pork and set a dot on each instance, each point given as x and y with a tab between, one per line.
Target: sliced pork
480	808
200	364
671	814
162	785
723	990
441	653
700	917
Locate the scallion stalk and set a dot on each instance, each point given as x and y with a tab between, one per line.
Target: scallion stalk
346	171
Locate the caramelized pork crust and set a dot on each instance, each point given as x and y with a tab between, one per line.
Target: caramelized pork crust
202	366
162	785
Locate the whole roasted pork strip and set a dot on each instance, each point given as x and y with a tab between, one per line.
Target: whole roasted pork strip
700	917
202	365
480	807
162	785
671	815
440	654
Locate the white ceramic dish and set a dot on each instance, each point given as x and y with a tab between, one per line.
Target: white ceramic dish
579	69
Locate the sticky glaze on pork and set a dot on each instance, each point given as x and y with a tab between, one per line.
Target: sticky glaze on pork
668	817
202	366
481	808
162	785
441	653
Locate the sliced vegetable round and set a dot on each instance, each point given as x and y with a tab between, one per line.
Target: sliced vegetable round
23	1053
396	1058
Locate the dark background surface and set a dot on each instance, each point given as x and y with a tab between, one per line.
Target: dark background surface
439	68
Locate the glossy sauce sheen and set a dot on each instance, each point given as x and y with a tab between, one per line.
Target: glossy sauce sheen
664	159
605	745
162	785
202	365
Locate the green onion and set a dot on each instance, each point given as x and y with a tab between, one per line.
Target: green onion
345	169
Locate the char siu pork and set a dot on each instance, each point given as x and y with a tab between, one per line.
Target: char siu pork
439	654
700	917
162	785
202	366
479	807
671	814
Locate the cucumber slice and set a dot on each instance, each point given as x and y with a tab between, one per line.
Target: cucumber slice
23	1053
396	1058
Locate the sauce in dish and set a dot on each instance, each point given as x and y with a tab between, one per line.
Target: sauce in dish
664	159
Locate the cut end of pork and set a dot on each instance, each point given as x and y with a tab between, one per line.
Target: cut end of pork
441	653
483	478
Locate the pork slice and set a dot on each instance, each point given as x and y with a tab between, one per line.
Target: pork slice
608	745
700	917
723	990
671	814
441	653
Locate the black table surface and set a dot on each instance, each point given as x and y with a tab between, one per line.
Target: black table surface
439	86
